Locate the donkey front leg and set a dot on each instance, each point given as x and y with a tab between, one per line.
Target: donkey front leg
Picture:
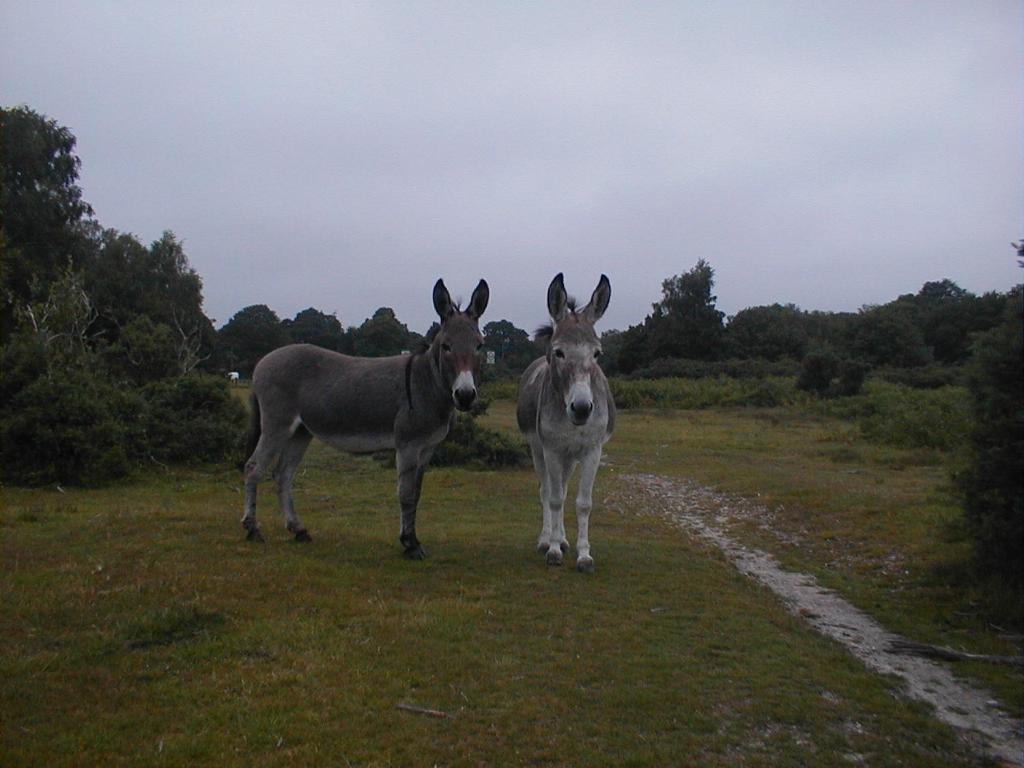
411	466
537	453
584	503
558	469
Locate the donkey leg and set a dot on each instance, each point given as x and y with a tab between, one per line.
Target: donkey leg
411	466
584	503
291	457
556	477
537	452
255	467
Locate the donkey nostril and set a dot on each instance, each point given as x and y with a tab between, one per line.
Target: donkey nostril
465	397
582	409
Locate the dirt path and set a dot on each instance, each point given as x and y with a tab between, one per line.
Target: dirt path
972	712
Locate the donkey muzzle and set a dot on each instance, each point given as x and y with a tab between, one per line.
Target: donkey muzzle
580	410
464	391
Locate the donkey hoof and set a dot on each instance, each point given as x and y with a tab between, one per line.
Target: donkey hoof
585	565
415	553
303	535
253	534
554	557
542	546
564	545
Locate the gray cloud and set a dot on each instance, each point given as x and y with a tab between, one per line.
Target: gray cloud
345	155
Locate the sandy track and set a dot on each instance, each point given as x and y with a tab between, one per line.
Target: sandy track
703	511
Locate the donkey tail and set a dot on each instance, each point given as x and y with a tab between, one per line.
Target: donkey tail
255	430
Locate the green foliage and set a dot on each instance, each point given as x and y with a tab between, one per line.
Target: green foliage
381	335
512	347
925	377
685	323
702	393
888	336
891	414
473	445
145	351
817	371
193	419
71	427
993	483
311	326
701	369
45	220
773	332
247	337
127	280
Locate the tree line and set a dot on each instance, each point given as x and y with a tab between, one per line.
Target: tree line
107	360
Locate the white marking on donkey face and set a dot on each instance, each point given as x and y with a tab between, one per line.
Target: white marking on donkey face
464	390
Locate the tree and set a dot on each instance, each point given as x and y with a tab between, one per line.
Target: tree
381	335
685	323
311	326
887	335
512	347
45	221
248	336
771	332
992	486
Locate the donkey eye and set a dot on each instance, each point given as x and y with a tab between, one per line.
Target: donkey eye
559	353
597	353
446	347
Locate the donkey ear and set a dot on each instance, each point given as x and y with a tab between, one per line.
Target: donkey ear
478	301
442	300
557	298
599	300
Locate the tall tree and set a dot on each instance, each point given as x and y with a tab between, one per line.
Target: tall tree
44	220
248	336
381	335
685	323
311	326
771	333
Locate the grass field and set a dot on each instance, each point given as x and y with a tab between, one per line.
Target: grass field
137	626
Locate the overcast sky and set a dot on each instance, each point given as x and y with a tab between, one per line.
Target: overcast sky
345	155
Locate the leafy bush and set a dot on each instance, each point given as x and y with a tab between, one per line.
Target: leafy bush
192	419
471	444
73	428
679	368
926	377
817	371
702	393
913	418
993	485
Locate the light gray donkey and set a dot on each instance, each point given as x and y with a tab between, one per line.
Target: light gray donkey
364	404
567	414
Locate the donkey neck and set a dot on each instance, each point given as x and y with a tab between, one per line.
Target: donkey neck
426	392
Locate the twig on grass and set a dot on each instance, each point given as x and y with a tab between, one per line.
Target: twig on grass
948	654
423	711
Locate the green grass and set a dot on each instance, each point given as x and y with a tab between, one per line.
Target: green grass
875	522
137	626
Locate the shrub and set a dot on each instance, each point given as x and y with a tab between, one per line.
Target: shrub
70	428
192	419
817	371
471	444
702	393
926	377
914	418
992	485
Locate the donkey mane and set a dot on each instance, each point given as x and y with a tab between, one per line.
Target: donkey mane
546	331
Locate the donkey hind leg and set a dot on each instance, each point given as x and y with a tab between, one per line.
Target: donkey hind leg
291	457
537	452
558	470
267	450
412	464
584	503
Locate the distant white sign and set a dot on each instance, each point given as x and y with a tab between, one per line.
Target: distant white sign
233	376
490	357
